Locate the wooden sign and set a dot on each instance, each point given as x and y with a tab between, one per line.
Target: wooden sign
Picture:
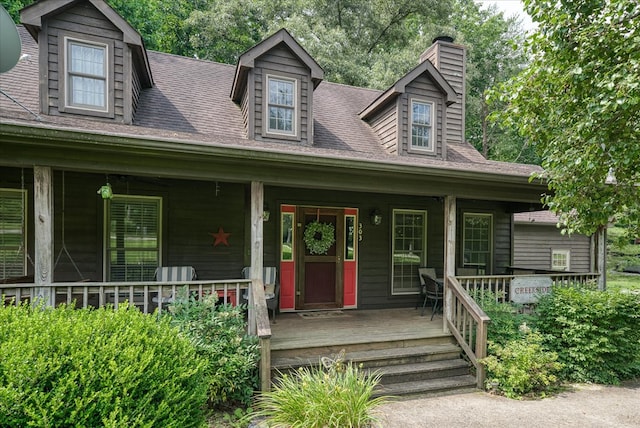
526	289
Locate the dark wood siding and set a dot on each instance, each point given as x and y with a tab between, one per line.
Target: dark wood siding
385	125
85	22
501	232
422	88
533	244
452	66
374	260
280	61
244	107
136	87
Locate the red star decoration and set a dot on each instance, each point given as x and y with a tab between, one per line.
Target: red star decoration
221	237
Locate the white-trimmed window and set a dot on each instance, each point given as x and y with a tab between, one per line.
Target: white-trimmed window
560	259
86	75
281	106
478	241
133	237
409	250
13	204
422	125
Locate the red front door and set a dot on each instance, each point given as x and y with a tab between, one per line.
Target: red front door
319	282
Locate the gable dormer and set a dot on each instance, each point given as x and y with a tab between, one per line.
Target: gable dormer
273	85
413	116
91	61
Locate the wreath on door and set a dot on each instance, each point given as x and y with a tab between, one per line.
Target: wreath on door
319	237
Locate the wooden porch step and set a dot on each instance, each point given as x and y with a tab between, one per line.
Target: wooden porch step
403	373
428	387
376	357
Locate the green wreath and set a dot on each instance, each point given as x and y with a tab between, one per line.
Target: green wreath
319	237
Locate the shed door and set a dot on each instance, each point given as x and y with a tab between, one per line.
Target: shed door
320	273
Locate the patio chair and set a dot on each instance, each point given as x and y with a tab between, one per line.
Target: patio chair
429	289
271	287
172	274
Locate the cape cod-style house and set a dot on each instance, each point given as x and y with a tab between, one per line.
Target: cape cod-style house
116	161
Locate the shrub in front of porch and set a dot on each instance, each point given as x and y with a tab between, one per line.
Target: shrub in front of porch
219	333
596	334
339	395
104	367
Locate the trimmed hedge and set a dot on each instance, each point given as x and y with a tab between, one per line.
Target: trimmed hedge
114	368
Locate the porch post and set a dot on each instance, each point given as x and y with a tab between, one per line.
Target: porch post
257	245
43	234
601	238
450	209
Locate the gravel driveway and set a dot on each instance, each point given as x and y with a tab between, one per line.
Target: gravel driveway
582	406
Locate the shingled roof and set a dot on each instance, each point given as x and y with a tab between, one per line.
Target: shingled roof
190	104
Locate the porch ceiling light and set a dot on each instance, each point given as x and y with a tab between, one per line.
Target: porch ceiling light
376	217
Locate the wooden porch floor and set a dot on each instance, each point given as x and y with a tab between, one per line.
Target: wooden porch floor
354	327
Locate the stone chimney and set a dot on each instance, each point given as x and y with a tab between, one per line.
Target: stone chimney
450	59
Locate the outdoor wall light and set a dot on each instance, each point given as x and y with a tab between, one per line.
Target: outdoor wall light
265	213
376	217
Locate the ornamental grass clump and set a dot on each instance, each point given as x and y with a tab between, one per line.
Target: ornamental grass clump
336	395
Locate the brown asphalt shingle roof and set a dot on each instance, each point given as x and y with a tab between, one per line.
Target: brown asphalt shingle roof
190	103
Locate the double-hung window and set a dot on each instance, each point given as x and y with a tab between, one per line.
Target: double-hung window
409	250
12	233
86	75
477	241
422	125
281	109
132	237
560	260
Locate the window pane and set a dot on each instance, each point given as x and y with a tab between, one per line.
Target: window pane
350	241
87	75
421	125
87	91
87	59
287	236
12	227
281	106
134	238
477	241
408	250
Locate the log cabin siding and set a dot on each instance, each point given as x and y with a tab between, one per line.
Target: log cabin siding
280	61
84	22
385	126
533	244
423	89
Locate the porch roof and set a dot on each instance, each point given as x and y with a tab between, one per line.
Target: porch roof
174	123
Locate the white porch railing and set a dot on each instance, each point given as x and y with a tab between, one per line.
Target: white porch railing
146	296
499	285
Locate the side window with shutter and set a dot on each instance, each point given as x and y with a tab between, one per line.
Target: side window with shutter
12	233
132	237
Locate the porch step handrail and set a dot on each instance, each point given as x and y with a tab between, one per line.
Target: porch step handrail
468	323
262	329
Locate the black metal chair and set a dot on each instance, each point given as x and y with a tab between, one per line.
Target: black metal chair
430	289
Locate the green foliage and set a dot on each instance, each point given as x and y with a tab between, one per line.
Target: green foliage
596	334
506	318
522	366
219	334
338	395
579	103
66	367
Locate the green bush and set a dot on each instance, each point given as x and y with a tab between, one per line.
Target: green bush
506	318
521	366
338	395
220	335
67	367
596	334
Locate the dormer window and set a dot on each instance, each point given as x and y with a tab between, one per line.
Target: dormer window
86	75
282	106
87	80
422	125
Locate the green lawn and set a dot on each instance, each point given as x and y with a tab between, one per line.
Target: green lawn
621	254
